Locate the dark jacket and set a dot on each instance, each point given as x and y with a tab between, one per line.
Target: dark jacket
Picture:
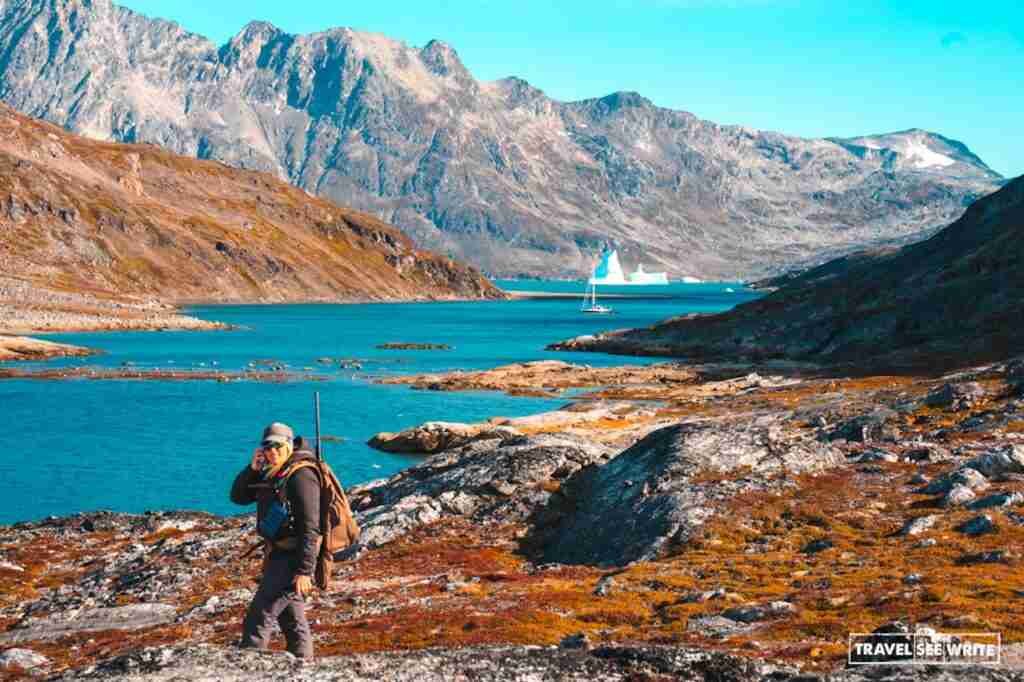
302	494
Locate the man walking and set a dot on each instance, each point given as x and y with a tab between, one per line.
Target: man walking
286	490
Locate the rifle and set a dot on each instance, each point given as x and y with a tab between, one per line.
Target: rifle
316	411
320	471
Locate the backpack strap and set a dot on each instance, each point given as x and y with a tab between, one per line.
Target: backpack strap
299	465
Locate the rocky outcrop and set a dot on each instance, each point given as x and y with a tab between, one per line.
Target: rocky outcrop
495	481
23	348
79	249
432	437
649	499
497	172
574	419
948	301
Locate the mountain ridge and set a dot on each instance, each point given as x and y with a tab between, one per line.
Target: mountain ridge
944	302
494	172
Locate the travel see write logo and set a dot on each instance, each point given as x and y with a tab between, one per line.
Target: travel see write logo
925	647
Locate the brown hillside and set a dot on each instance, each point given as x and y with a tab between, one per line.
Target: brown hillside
114	219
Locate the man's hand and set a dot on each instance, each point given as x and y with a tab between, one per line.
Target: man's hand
303	585
258	459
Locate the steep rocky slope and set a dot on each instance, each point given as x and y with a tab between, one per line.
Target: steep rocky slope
947	301
495	172
83	222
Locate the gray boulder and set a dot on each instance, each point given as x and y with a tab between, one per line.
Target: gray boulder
979	525
996	463
918	525
998	500
877	425
759	612
130	617
967	477
957	496
957	397
23	659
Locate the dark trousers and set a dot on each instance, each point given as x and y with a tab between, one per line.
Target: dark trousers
276	601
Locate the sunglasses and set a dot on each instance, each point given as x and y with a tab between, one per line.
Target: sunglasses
273	446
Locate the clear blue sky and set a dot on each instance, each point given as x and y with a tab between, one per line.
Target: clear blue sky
812	68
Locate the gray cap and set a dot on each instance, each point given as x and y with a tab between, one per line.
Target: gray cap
278	433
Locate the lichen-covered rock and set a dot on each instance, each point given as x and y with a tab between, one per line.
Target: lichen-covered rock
957	496
918	525
998	500
956	396
979	525
129	617
1008	460
645	500
877	425
490	480
759	612
22	659
967	477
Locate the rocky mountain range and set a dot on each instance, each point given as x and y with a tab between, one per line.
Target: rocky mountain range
947	301
496	173
85	222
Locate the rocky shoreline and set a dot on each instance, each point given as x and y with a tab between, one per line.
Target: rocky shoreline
30	307
705	522
25	348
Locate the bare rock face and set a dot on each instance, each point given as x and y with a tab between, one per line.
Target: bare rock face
495	172
645	500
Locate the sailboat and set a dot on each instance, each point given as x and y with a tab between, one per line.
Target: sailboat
608	270
590	304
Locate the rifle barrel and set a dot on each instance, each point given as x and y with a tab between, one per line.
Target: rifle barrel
316	411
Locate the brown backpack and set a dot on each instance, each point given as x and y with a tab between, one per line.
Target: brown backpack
338	527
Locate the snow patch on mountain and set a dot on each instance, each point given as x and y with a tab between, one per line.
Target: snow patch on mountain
915	149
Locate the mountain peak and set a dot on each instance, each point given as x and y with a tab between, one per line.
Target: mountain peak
517	91
260	31
626	99
441	58
921	150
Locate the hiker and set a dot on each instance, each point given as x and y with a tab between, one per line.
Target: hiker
288	519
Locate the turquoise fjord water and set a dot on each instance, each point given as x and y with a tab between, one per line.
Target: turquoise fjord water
132	445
